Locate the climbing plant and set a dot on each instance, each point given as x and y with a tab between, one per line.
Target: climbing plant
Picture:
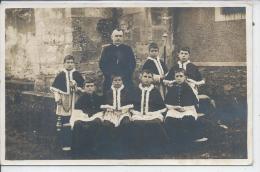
105	26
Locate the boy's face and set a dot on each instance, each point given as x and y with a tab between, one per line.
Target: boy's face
117	82
153	52
179	77
146	79
117	37
184	56
69	64
90	88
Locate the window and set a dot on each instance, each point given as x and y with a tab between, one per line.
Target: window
230	13
156	14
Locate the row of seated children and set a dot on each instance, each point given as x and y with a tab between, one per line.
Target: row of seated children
135	122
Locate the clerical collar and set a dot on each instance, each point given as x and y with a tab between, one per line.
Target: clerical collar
117	45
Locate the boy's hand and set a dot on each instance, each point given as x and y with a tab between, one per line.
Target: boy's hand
73	84
78	89
109	110
180	109
59	102
168	83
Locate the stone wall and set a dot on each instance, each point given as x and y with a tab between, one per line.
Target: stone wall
36	41
210	40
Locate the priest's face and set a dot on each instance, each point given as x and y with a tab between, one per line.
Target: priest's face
117	82
117	37
90	88
153	52
179	77
69	64
184	56
146	79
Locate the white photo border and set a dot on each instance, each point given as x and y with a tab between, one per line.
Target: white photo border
80	4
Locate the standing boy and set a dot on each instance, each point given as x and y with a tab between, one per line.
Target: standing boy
194	77
157	67
64	87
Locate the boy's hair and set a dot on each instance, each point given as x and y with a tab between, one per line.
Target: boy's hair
146	71
116	75
153	45
89	80
180	70
185	49
68	57
117	29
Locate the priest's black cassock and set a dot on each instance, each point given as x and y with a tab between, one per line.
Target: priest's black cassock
117	60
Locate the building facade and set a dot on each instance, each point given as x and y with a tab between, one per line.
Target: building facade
38	39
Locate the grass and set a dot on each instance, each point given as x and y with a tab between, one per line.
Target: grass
30	133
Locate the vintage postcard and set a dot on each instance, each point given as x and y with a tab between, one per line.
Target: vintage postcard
126	83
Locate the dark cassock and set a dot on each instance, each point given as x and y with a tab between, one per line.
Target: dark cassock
159	69
114	135
117	60
192	71
84	142
148	136
63	91
182	126
181	95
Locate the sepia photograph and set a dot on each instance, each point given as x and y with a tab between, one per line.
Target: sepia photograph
127	84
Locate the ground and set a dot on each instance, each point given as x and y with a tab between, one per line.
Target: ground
30	131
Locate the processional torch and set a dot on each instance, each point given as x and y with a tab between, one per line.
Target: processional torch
164	38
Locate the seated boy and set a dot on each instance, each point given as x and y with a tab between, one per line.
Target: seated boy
117	102
147	117
116	116
64	87
194	77
86	120
157	67
181	122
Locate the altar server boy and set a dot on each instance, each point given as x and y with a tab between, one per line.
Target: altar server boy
65	86
157	67
148	133
181	122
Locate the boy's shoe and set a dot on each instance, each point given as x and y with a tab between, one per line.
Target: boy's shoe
203	139
68	148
